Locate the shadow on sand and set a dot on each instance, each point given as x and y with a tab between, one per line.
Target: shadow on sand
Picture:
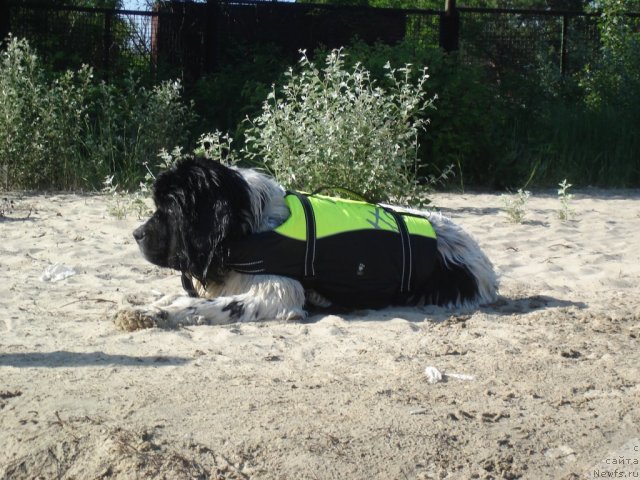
85	359
509	306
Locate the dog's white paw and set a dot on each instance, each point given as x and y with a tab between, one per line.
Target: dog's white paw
131	319
295	314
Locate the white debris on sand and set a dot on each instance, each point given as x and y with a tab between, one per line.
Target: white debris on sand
56	272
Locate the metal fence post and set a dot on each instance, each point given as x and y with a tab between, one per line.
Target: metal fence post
563	44
4	21
107	41
450	27
211	35
5	26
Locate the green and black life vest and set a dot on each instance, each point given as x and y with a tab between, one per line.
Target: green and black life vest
356	254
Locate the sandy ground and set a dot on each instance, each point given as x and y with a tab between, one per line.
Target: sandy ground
549	383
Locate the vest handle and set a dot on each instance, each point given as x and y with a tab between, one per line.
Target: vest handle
356	195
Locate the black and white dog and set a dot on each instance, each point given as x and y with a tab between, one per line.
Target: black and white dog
204	208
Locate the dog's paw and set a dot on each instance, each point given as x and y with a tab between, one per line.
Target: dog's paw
130	319
295	315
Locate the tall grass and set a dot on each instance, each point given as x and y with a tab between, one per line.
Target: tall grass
596	147
130	124
591	146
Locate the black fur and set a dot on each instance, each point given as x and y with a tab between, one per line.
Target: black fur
201	207
449	284
235	309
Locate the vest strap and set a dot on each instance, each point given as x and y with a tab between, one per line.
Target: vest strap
407	254
310	252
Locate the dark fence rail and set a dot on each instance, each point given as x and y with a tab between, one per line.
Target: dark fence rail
195	38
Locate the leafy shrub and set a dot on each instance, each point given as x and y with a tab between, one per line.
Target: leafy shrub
515	205
566	212
337	127
217	145
468	122
70	132
40	120
236	90
614	78
501	129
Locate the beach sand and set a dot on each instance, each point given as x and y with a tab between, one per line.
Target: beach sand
543	384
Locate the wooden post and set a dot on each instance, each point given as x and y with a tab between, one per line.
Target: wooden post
450	27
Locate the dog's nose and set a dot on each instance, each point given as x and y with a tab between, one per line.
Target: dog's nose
138	233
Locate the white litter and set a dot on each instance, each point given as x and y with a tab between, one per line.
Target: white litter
56	272
460	376
435	376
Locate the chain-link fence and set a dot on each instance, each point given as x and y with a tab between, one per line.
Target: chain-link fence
111	41
529	39
208	33
194	38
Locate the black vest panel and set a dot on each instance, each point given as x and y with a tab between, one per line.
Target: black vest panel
354	269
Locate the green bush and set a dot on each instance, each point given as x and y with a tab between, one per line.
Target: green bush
40	121
333	127
468	124
502	129
69	132
614	78
588	133
130	124
226	97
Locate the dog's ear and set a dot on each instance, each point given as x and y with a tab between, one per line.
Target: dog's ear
209	206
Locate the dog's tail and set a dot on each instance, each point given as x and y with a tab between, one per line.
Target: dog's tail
463	276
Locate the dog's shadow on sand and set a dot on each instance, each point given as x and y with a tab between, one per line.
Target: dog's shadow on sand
502	307
531	303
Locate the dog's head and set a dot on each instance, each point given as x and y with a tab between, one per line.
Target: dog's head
201	206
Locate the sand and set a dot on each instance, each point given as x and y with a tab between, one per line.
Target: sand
543	384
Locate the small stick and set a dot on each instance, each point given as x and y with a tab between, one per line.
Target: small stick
98	300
